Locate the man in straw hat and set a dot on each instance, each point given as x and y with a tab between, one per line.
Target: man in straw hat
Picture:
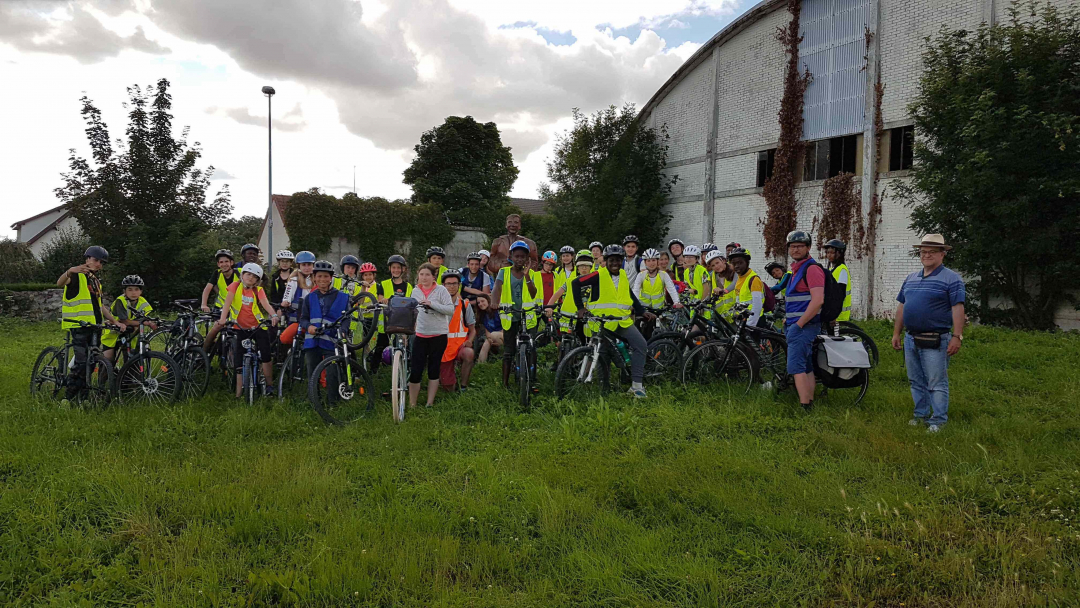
932	309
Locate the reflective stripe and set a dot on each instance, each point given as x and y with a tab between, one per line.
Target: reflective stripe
73	315
613	302
457	334
79	302
313	321
610	307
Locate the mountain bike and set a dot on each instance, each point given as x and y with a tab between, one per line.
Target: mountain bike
54	371
181	340
339	388
145	375
525	356
722	361
252	382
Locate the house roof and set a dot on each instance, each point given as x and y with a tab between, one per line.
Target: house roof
280	202
47	229
19	223
530	206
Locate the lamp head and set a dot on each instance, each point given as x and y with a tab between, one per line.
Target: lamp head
268	90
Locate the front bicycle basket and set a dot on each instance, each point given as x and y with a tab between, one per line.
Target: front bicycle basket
401	315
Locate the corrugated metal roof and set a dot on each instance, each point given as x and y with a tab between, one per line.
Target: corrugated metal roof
834	51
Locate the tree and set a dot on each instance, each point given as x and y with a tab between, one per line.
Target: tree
234	233
997	116
463	167
145	200
20	265
608	180
65	250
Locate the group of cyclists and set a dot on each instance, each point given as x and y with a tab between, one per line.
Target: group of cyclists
465	312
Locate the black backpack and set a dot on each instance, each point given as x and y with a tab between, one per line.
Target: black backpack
834	292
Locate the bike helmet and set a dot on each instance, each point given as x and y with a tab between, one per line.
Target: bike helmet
595	244
387	355
435	251
285	254
712	255
367	267
769	267
583	256
733	244
675	242
253	268
223	252
630	238
305	257
836	244
247	247
519	245
549	256
472	256
396	259
798	236
692	251
132	280
349	259
323	266
613	250
650	254
709	247
97	251
739	252
450	274
484	252
566	249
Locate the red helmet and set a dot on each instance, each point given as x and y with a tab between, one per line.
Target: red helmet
367	267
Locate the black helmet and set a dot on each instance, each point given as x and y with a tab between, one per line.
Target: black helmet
473	255
223	252
248	246
450	274
435	251
132	280
798	236
630	238
615	250
676	242
836	244
396	259
97	251
349	259
566	249
769	267
739	252
323	266
596	244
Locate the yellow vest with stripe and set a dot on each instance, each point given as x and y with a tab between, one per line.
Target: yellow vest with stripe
81	307
223	287
697	278
845	312
386	286
726	301
652	291
110	336
438	275
614	302
527	304
568	306
238	303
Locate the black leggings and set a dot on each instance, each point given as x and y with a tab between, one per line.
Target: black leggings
426	352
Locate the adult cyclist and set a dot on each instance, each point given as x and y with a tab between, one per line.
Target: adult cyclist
834	251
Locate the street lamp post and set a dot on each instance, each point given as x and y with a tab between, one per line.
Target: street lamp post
269	92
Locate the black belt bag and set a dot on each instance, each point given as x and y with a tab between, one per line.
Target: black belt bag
928	339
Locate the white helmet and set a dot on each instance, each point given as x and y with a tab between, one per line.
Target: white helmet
712	255
285	254
484	252
253	268
692	250
650	254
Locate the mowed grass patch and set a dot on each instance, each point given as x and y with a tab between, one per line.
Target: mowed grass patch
691	497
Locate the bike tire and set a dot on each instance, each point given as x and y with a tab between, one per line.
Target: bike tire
354	390
369	327
399	389
868	343
579	376
153	378
717	363
100	391
195	368
49	374
663	360
291	379
843	398
524	382
249	384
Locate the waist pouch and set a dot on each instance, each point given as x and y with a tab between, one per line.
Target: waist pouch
927	339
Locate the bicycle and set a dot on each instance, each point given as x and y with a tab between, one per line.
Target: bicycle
181	340
341	379
52	373
525	357
250	372
722	360
147	375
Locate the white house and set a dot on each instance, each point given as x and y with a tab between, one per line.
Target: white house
41	229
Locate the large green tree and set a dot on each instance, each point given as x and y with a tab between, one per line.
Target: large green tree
997	167
144	199
463	167
607	180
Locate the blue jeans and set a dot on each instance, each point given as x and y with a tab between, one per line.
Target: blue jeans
800	348
928	373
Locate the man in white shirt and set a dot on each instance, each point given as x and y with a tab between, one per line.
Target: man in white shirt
632	261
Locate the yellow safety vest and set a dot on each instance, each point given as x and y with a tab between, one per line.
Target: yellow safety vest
110	336
845	312
527	304
697	279
568	306
81	307
613	302
223	287
652	291
238	303
726	301
438	275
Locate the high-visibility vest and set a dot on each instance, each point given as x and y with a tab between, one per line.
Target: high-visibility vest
796	303
726	301
697	277
238	302
845	312
385	289
318	316
613	302
569	306
223	286
438	275
458	330
652	291
527	304
81	307
110	336
743	292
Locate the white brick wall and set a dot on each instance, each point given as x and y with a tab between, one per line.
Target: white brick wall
685	223
691	182
736	172
685	113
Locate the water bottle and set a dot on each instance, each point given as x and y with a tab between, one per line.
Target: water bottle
622	350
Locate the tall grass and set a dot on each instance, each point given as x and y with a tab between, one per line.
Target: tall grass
687	498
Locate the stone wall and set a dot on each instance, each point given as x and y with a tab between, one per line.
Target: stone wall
32	305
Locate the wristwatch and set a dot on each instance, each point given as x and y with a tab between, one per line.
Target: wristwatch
961	336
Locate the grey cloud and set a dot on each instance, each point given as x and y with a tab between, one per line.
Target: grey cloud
24	25
244	116
221	174
524	143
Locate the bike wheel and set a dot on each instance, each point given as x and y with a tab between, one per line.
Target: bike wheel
367	327
716	362
771	352
868	343
347	395
292	383
399	385
102	374
49	375
849	396
250	383
663	360
524	381
151	377
195	371
582	376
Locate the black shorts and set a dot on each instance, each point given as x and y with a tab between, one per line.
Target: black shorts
262	345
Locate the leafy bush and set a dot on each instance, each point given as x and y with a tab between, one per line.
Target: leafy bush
19	265
63	252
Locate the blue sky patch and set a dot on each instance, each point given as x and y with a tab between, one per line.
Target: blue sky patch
551	36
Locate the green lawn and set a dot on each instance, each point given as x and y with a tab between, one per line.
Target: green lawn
686	498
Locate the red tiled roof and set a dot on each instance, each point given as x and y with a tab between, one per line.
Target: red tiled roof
529	206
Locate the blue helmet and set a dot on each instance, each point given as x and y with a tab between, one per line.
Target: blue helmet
519	245
305	257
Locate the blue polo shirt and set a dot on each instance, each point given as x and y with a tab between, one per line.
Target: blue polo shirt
928	300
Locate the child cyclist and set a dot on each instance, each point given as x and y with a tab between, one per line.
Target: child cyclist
436	256
82	302
246	302
131	300
225	276
396	285
322	305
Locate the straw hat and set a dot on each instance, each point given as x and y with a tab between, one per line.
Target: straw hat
933	240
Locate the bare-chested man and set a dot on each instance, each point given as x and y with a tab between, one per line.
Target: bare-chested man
500	247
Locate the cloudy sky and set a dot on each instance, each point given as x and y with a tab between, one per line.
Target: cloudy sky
357	81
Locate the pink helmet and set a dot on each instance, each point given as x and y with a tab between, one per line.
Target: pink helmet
367	267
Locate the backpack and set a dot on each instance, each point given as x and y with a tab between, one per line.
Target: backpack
770	297
834	292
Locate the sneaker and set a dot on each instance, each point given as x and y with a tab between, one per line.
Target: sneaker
637	393
933	428
916	422
808	406
462	389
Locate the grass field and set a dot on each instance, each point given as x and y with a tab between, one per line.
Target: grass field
688	498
